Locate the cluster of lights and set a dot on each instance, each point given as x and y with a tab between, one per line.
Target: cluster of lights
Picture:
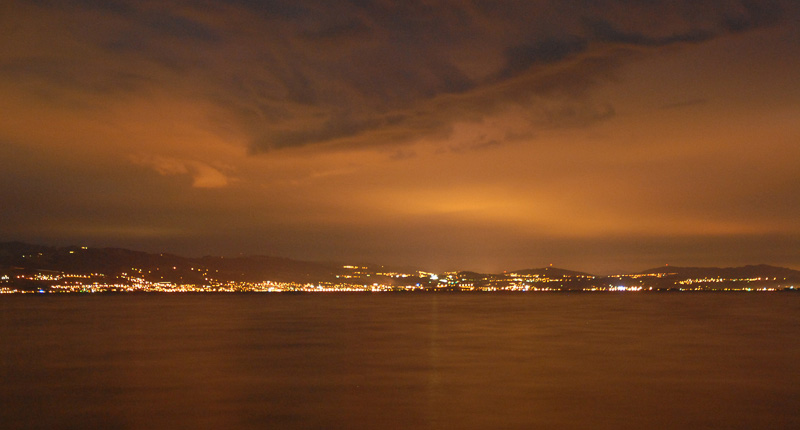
644	275
134	280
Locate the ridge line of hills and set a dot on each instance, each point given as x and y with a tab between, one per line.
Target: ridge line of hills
169	267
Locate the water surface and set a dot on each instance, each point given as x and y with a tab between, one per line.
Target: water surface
401	361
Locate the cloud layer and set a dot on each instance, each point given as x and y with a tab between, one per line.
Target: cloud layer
290	74
263	126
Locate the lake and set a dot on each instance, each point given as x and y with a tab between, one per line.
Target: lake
401	361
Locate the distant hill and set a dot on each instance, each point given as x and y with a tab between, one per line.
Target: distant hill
259	268
167	267
112	262
473	276
743	272
551	272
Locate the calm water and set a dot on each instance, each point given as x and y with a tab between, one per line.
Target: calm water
401	361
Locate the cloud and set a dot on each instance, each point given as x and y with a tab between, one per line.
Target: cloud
573	115
338	33
414	88
402	154
685	103
575	119
520	58
606	32
291	74
202	174
747	15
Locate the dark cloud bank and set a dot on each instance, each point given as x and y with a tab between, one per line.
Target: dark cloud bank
299	73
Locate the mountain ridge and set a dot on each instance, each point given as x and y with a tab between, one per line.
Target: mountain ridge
750	270
110	260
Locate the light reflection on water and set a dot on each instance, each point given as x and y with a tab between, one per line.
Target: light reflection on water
401	361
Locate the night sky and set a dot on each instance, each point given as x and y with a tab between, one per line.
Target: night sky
477	135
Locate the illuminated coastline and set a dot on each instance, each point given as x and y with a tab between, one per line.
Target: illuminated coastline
135	282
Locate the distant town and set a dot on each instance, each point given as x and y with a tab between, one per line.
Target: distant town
26	268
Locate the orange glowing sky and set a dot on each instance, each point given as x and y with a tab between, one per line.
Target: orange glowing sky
595	135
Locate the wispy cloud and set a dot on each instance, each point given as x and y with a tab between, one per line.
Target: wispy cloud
292	74
203	175
685	103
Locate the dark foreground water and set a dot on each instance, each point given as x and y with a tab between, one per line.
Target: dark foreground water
401	361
